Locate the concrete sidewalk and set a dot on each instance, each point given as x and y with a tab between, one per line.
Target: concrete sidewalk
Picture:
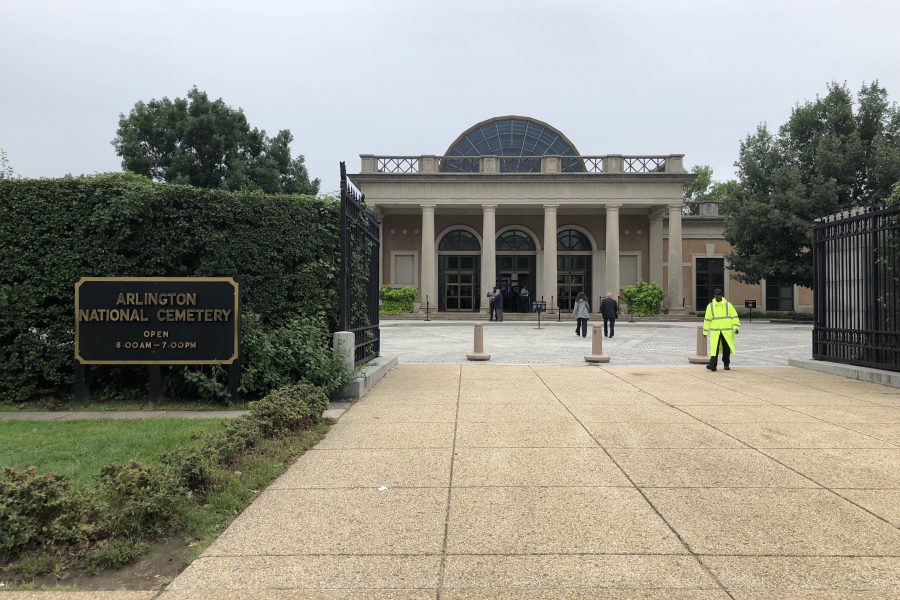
479	480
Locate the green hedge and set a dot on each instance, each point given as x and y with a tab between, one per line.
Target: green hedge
53	231
644	298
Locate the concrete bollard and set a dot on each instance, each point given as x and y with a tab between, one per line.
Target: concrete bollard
479	353
596	355
702	356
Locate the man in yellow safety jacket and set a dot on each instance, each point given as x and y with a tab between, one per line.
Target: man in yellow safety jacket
721	324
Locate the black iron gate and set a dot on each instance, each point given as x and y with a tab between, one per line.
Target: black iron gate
360	251
857	283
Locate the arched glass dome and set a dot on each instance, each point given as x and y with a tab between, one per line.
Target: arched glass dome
522	139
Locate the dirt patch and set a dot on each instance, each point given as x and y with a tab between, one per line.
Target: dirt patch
153	570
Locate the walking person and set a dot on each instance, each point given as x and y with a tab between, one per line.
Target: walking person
609	308
721	323
582	312
497	301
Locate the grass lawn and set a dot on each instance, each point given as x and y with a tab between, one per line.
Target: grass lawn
79	449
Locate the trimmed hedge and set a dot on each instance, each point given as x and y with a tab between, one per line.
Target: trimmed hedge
284	250
137	502
397	301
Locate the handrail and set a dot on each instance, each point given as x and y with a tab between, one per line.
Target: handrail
592	164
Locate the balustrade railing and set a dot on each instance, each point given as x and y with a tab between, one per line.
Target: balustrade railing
418	165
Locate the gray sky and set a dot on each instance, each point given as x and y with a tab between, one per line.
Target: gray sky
401	77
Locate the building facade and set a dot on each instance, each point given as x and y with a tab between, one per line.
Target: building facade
513	204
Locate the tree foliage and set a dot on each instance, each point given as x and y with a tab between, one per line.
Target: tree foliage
6	170
705	189
203	143
826	158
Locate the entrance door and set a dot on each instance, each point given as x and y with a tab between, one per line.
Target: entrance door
572	276
459	291
459	283
710	275
511	284
513	274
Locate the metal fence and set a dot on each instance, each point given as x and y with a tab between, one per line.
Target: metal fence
360	250
857	282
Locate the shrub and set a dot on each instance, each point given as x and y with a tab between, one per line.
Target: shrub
298	352
397	301
644	298
38	510
289	408
139	499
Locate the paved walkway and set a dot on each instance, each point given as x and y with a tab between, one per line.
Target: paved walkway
643	343
483	480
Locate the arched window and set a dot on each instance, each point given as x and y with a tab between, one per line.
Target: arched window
569	240
515	241
459	240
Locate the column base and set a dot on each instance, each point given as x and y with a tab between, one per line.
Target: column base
478	356
678	310
596	358
698	360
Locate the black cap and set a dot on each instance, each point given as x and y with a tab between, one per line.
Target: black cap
716	292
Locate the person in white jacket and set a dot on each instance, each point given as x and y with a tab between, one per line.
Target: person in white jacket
581	311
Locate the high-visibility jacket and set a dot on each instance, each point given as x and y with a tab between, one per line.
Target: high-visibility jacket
721	319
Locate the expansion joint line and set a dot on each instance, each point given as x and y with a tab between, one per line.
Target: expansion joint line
440	585
680	539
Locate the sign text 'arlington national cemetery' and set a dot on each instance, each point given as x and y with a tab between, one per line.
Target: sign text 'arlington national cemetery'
156	320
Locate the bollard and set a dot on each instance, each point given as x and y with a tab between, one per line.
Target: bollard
702	356
479	353
596	355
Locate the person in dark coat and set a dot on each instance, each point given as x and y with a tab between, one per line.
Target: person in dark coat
609	308
523	299
490	298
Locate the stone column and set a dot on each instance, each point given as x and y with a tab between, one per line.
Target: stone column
428	279
549	287
656	247
612	249
488	253
676	272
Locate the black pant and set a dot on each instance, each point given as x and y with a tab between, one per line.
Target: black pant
612	327
726	353
581	327
491	312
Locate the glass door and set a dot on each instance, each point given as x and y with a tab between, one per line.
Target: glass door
710	275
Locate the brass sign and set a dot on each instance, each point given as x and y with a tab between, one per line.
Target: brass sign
156	320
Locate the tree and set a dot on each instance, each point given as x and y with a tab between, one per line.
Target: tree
697	190
825	159
208	144
705	189
6	170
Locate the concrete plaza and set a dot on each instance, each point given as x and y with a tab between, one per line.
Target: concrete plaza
538	481
640	343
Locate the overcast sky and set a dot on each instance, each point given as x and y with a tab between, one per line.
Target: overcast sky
398	77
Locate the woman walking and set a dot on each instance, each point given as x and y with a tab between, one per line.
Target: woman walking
581	312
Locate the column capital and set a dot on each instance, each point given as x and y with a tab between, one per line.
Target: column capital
657	214
677	207
551	207
613	205
488	207
428	206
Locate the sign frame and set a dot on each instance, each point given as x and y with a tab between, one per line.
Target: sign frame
236	322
